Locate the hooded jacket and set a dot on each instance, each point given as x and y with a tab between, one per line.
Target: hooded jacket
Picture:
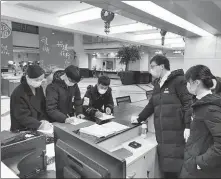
203	147
170	105
62	101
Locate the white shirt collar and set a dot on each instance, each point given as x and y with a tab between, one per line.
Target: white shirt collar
203	94
164	78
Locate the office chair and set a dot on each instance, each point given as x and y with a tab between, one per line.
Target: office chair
123	99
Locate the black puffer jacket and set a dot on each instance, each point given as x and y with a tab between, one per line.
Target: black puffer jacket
94	101
203	147
62	100
170	105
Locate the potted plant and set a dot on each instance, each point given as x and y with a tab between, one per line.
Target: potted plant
128	54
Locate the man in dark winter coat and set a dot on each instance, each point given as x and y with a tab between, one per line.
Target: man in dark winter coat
97	97
27	105
169	103
63	97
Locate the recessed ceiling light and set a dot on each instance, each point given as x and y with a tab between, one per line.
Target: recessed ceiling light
152	36
130	28
80	16
161	13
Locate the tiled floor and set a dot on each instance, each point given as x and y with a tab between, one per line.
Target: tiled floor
136	92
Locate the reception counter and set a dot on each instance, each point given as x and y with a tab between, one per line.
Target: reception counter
143	163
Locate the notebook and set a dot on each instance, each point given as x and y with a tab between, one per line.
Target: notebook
103	130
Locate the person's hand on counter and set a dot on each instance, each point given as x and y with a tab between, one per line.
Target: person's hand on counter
98	114
134	119
80	116
108	110
45	125
70	120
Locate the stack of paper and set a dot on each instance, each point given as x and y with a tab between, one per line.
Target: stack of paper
114	126
106	117
103	130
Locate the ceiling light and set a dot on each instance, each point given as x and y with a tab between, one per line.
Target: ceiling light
158	52
130	28
170	41
154	36
181	45
3	2
159	12
177	52
80	16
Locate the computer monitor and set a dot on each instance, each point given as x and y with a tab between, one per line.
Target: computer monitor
78	158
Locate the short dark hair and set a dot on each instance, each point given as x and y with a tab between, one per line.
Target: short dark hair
200	72
104	80
161	60
73	73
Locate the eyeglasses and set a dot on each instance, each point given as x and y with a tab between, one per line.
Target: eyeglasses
153	66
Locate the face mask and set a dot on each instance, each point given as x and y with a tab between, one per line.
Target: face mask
102	91
34	84
154	73
67	82
192	88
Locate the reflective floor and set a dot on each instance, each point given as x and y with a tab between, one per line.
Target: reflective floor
136	92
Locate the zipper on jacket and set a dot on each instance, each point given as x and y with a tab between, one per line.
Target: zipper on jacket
161	117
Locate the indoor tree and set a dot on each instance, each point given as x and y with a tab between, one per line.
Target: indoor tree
129	54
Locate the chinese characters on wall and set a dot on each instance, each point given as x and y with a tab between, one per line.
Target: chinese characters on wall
45	46
6	42
64	52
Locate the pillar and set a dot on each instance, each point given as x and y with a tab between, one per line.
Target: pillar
205	51
82	57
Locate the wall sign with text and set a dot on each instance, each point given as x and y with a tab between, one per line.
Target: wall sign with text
6	42
55	47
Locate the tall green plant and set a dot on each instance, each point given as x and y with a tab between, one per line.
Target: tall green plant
128	54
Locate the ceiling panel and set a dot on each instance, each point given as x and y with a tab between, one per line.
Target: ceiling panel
55	7
218	3
118	20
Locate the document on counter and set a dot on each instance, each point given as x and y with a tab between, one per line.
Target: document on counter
106	117
114	126
103	130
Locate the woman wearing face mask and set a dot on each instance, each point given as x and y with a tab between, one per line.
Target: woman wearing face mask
97	97
27	105
202	157
63	97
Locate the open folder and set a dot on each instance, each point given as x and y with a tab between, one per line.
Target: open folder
103	130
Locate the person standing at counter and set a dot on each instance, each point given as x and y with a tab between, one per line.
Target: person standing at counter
202	157
170	103
98	97
63	97
27	102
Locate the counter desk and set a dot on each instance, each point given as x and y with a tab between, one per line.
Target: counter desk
143	163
